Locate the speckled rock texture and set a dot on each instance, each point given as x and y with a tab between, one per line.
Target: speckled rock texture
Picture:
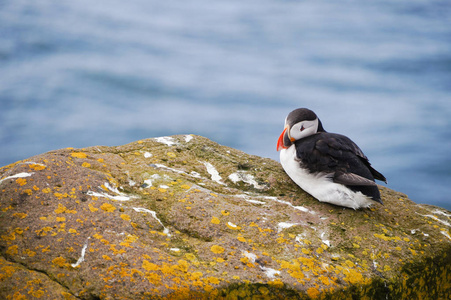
182	217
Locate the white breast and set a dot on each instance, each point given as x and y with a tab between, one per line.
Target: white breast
320	185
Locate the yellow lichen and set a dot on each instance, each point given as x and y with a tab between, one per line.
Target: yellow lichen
382	236
92	208
125	217
128	240
171	154
232	226
241	238
20	215
353	276
215	220
217	249
62	209
149	266
305	251
86	165
79	155
190	256
213	280
196	275
97	236
313	292
107	207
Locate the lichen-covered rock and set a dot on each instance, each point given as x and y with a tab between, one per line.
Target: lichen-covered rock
182	217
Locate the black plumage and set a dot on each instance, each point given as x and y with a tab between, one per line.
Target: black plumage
339	156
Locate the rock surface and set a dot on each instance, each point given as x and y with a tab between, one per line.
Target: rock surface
182	217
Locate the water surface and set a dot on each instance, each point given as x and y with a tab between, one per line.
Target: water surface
84	73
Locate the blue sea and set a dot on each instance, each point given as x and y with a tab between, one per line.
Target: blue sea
84	73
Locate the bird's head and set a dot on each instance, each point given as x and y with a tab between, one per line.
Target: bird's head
299	123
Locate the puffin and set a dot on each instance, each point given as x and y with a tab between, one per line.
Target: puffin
328	166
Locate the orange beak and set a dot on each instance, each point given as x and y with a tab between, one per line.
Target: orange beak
280	144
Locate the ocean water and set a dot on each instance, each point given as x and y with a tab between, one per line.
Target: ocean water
84	73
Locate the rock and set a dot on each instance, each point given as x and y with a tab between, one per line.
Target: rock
182	217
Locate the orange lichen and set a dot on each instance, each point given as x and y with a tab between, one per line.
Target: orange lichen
12	250
60	262
7	271
36	167
43	231
29	192
21	181
29	252
62	209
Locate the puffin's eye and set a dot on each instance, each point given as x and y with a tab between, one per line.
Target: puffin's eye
302	128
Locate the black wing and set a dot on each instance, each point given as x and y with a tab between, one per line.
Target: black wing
337	155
